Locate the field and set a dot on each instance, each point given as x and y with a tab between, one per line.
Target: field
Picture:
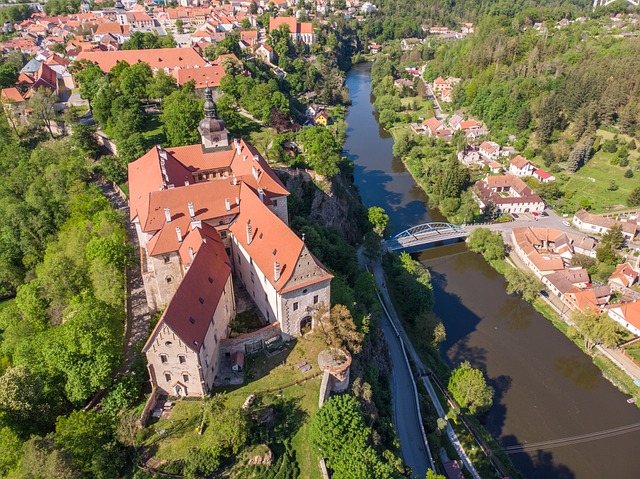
590	185
170	438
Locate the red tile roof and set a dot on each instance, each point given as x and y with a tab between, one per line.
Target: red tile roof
519	162
11	94
186	315
272	241
156	58
203	76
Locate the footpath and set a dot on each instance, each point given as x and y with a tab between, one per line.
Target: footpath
390	311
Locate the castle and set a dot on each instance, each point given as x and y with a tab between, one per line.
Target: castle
205	214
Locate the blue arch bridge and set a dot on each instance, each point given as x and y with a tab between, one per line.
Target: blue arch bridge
424	235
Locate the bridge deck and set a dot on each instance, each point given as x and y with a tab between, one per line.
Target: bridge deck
425	234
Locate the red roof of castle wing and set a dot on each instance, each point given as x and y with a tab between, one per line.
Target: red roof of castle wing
243	166
145	175
204	76
157	58
271	241
186	314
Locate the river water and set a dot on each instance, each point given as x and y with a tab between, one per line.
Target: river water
546	388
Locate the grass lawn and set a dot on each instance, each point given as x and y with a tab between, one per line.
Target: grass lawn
153	132
261	139
261	374
634	351
590	184
424	107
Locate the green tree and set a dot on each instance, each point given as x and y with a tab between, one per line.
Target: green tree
470	389
89	78
490	245
40	459
522	282
595	328
88	435
134	80
8	74
338	329
379	220
10	450
180	117
42	104
162	85
180	26
634	197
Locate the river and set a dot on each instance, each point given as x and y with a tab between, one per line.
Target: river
546	388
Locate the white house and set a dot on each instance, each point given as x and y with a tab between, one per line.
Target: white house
520	166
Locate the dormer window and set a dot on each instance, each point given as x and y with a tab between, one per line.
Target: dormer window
201	300
192	320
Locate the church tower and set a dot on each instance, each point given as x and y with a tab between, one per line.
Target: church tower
212	129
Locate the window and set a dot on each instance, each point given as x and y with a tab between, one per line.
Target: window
238	255
295	306
266	298
206	361
252	276
169	279
182	359
167	377
215	337
315	299
275	203
167	259
168	343
185	378
223	234
164	358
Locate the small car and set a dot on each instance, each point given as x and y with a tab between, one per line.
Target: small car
566	223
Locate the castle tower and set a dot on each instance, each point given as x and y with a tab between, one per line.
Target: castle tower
213	130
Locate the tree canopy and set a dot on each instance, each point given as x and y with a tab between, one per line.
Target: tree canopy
470	389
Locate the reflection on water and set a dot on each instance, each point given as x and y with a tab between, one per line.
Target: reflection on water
546	388
578	371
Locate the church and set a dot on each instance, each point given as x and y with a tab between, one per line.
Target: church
204	215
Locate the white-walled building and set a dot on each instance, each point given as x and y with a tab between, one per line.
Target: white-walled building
204	213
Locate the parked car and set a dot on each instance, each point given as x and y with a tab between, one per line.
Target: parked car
566	223
515	215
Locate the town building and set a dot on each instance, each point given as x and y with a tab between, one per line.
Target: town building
520	166
211	218
509	194
159	58
299	32
627	315
591	223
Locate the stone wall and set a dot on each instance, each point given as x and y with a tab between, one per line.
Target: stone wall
237	344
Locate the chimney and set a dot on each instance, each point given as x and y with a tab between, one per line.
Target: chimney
236	142
276	271
179	234
261	194
255	157
234	181
249	232
255	172
237	201
192	211
191	255
167	215
227	204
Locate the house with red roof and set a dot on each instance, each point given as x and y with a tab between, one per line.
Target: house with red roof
206	215
489	150
543	176
520	166
624	276
299	32
627	315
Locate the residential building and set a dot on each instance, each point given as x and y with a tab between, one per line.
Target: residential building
591	223
520	166
509	194
440	84
265	53
489	150
543	176
623	277
204	215
627	315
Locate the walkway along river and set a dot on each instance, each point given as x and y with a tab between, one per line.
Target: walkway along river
546	388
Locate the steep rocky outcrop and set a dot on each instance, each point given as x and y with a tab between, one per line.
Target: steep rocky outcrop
332	203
